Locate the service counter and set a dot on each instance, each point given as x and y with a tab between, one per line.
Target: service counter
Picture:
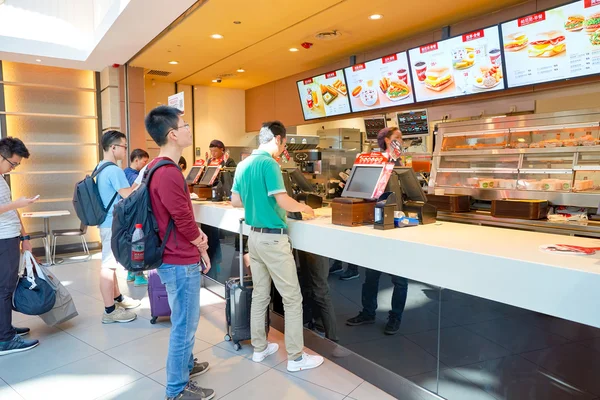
499	264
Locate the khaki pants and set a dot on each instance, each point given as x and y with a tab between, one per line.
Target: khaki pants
271	259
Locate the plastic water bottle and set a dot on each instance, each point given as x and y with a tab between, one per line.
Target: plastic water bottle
137	247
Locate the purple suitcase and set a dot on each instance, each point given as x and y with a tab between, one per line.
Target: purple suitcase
159	302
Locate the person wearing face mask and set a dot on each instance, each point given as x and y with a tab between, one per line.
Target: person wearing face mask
390	141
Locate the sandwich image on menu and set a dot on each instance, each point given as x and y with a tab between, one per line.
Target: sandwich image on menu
560	43
438	78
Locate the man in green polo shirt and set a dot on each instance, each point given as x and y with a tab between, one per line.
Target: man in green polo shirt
258	188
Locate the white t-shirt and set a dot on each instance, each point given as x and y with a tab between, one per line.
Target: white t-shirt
140	177
10	225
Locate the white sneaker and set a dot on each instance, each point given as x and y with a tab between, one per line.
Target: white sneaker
307	362
128	303
260	356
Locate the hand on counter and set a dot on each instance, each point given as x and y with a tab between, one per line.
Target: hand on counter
307	212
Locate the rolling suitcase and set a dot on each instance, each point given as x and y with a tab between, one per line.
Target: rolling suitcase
157	293
238	297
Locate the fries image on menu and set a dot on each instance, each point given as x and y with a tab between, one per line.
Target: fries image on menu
340	87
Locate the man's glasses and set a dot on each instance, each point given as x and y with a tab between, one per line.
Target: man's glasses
120	145
13	165
178	128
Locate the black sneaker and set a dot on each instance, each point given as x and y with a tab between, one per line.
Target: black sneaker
17	344
361	319
336	268
199	368
194	392
349	274
22	331
393	325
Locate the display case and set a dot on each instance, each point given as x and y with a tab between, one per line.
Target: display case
554	157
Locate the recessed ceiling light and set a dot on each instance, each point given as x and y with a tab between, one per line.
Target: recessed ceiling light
38	60
293	49
215	81
216	36
376	16
173	62
240	70
237	22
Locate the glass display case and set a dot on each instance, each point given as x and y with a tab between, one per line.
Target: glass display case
554	157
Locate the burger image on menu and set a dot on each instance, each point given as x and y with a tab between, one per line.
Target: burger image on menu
438	78
547	44
516	41
574	23
592	23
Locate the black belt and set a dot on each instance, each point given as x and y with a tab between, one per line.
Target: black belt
279	231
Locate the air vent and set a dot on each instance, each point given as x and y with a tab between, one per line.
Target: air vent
225	76
158	73
328	35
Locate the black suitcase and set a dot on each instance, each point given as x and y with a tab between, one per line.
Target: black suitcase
238	297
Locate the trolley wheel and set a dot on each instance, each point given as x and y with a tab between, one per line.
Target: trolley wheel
237	346
227	337
153	320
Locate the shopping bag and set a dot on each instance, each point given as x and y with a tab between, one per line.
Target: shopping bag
64	307
34	295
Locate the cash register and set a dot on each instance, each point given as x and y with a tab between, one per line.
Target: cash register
294	177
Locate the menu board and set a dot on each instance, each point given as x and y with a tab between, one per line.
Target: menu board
324	95
384	82
560	43
466	64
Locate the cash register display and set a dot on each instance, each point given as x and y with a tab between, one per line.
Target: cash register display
410	184
191	177
363	181
298	178
209	176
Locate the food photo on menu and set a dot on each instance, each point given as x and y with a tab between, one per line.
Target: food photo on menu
384	82
559	43
324	95
466	64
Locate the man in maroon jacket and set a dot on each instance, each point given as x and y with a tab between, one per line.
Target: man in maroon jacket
184	255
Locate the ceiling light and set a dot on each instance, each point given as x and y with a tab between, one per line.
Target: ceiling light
240	70
237	22
38	60
375	17
216	36
293	49
173	62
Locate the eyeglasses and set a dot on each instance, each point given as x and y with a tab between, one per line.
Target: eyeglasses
120	145
183	126
13	165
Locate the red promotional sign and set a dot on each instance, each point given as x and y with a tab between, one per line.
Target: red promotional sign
591	3
199	163
330	75
473	35
358	67
308	81
429	47
371	158
532	19
389	59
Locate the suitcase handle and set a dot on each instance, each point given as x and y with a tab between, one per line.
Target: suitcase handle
242	251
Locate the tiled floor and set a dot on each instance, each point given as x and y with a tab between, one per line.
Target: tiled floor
489	351
83	359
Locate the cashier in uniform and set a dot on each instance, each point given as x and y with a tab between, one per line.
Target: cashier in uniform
218	155
370	288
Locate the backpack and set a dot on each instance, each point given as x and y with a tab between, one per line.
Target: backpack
137	209
87	201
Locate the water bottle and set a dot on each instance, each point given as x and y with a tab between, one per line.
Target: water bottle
137	247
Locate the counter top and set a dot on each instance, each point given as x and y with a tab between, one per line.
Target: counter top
499	264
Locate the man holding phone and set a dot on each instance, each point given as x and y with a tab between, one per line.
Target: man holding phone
185	257
13	240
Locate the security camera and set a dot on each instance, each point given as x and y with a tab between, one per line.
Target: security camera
217	80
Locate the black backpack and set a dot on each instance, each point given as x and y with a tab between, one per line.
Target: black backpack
137	209
87	201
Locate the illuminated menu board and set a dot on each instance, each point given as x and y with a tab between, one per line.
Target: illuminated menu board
559	43
380	83
324	95
463	65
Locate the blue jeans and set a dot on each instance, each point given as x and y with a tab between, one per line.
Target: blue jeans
371	288
183	290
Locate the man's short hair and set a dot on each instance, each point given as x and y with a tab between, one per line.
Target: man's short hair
138	153
182	162
217	143
160	121
9	146
270	130
110	138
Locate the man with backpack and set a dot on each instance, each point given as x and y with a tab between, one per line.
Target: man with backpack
184	258
112	186
13	239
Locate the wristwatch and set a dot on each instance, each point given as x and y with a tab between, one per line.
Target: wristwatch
24	238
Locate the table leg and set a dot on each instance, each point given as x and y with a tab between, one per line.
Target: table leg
48	238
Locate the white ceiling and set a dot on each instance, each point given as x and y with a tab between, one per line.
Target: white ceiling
82	34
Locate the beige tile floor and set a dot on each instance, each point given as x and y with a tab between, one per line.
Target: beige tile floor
83	359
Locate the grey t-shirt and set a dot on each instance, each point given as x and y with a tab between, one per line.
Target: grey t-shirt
10	225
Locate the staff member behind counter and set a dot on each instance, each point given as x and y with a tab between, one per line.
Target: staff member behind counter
370	288
219	156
